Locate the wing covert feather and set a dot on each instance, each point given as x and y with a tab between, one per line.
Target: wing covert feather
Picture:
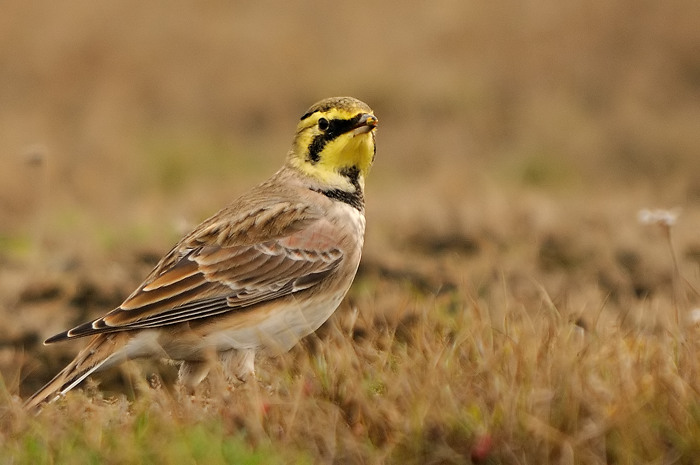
194	282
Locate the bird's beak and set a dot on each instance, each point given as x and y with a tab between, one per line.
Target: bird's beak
365	124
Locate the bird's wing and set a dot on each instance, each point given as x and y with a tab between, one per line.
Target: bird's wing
203	277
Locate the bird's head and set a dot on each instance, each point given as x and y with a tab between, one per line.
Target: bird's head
334	143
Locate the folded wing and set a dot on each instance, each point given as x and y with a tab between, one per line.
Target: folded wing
209	280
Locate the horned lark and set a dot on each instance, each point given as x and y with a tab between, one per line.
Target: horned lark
260	274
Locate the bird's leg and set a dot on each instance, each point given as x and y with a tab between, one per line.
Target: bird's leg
238	364
192	372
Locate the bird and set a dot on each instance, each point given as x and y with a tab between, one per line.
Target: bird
265	271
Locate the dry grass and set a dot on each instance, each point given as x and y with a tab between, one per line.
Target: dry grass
510	307
409	378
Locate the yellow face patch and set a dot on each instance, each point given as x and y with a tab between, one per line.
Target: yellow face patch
333	142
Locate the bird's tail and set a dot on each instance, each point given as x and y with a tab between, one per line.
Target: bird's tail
104	350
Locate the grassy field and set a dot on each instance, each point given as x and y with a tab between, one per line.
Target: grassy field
515	304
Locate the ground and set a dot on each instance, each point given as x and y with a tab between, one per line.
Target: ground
520	300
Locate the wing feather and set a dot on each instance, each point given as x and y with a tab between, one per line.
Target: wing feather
160	293
196	281
180	271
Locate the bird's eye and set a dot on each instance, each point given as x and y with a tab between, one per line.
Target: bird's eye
323	124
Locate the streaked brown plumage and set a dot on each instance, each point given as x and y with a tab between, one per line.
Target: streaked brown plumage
262	273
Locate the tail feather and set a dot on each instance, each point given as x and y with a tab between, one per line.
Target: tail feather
104	350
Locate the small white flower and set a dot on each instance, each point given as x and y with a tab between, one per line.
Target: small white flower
661	217
694	316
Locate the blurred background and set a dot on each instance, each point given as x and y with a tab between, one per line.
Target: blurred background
516	140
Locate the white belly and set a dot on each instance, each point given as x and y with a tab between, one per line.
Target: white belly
280	331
